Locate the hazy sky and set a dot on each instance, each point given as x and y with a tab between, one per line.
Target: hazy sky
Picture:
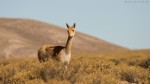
123	22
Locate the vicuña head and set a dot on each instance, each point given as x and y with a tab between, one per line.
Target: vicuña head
71	30
59	53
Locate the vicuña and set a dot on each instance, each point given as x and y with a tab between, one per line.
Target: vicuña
59	53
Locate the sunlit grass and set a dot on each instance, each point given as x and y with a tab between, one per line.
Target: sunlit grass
99	68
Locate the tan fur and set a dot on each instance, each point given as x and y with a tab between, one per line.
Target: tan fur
59	53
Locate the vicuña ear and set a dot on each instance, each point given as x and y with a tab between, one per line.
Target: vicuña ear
67	25
74	25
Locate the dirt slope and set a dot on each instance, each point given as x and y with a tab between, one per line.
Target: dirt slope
23	37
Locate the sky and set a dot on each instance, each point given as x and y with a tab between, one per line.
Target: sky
122	22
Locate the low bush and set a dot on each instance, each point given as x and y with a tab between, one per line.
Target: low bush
89	69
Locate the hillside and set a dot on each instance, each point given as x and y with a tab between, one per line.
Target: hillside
23	37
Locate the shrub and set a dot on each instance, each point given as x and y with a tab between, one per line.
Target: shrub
83	69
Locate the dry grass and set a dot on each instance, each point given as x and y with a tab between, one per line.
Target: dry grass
109	68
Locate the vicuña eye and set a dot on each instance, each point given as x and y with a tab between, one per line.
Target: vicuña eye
73	30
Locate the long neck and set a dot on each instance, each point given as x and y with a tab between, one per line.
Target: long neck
69	45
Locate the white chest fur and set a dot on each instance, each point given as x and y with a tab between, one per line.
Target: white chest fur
65	57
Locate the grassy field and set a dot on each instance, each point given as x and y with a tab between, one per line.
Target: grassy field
100	68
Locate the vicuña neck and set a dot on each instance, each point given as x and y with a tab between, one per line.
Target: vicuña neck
69	45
